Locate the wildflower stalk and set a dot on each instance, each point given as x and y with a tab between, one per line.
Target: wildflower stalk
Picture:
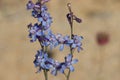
45	71
45	74
68	75
71	26
39	1
40	31
44	49
70	16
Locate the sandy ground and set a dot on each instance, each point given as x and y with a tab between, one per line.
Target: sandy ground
95	62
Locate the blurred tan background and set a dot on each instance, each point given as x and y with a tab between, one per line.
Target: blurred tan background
95	62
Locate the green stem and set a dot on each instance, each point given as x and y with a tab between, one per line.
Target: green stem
71	25
39	0
45	71
68	76
71	50
45	74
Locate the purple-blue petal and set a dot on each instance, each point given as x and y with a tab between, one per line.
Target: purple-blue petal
74	61
78	49
71	68
73	45
61	47
69	58
54	72
30	5
40	19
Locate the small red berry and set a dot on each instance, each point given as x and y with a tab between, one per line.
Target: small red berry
102	38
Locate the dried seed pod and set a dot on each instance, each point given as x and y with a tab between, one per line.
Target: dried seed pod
69	17
77	19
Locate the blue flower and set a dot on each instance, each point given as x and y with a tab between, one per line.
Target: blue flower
45	19
35	13
30	5
68	41
43	8
56	66
42	61
63	41
69	62
50	40
35	32
60	40
77	42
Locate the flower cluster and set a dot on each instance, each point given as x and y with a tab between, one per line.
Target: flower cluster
41	31
38	30
42	61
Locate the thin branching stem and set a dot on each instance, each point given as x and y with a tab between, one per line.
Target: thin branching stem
43	48
71	26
